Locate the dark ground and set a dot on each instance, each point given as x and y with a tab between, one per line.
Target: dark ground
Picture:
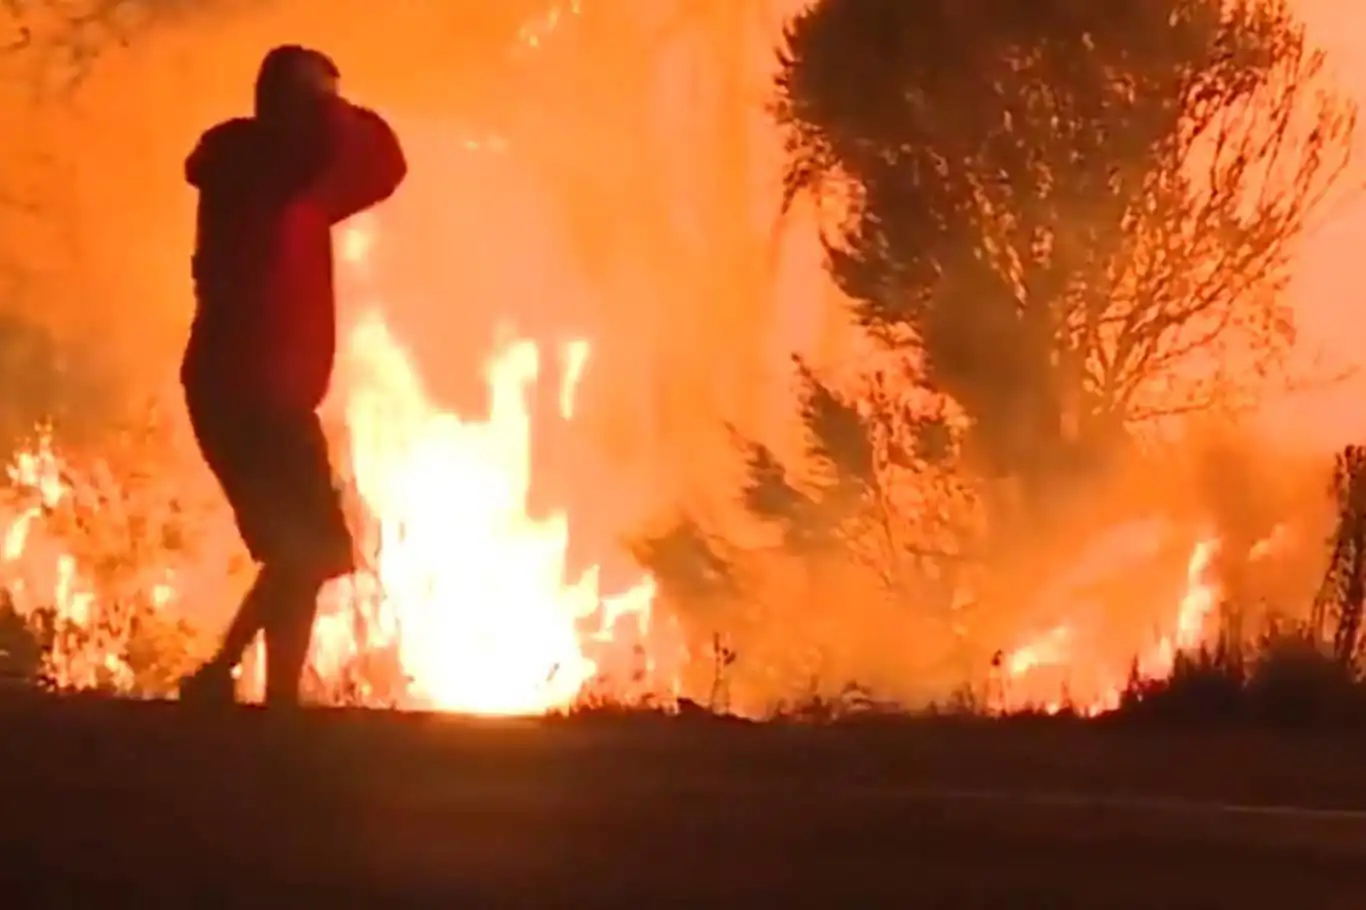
145	805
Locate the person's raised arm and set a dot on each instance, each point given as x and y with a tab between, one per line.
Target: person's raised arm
366	164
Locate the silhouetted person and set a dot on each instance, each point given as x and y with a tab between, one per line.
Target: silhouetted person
262	346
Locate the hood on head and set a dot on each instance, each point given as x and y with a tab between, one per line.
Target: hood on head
281	68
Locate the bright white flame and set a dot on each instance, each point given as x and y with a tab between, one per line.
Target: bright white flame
475	591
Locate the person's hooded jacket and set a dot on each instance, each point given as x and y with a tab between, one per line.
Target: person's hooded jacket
264	332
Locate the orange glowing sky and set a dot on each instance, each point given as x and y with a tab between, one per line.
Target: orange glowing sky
1328	287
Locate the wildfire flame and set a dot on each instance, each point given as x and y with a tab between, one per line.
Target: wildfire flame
1188	630
471	591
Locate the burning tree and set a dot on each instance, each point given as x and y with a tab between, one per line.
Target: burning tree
1078	217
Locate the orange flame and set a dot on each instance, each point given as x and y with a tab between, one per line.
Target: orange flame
473	592
1059	649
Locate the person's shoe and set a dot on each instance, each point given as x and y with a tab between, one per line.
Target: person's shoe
211	685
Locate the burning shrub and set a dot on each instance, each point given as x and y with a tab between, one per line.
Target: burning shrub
839	563
88	568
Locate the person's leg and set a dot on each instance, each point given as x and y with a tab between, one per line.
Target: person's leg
282	604
226	442
246	624
213	681
288	625
250	618
312	544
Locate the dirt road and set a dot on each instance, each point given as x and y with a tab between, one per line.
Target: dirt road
146	805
